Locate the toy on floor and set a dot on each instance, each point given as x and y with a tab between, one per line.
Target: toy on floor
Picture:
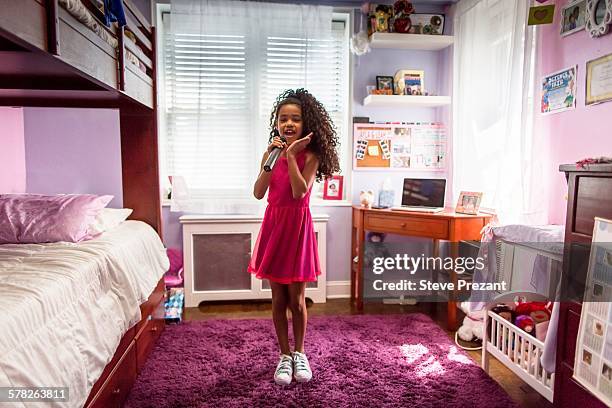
174	305
174	276
471	329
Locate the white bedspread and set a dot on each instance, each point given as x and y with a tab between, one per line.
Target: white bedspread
66	306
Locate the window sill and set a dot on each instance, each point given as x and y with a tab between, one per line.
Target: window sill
330	203
314	203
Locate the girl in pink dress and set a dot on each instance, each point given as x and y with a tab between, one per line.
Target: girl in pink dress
286	250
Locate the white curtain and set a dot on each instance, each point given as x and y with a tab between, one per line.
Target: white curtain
221	71
494	147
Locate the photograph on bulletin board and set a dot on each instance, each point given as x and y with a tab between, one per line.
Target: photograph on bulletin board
420	146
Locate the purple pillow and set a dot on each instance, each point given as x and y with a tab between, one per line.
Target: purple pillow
34	218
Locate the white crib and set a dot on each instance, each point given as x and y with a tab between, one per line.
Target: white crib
513	347
516	349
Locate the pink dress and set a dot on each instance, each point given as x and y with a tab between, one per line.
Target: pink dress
286	248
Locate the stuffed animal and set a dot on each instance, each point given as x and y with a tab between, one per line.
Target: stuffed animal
366	198
375	237
504	311
375	251
540	316
526	308
472	326
525	323
541	329
538	311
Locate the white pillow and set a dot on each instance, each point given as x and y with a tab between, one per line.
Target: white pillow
109	218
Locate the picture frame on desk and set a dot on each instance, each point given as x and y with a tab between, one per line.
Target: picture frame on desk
469	202
333	188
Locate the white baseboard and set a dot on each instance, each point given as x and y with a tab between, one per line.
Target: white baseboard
338	289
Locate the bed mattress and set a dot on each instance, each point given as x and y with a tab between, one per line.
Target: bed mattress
66	306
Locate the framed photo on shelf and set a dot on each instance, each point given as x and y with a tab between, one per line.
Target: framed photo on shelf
384	83
332	189
432	24
409	82
599	80
469	202
573	17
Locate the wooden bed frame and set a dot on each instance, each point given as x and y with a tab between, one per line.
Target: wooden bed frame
50	59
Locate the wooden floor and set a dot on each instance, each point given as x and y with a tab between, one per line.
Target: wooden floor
523	394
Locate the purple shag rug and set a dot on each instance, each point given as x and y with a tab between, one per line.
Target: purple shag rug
357	361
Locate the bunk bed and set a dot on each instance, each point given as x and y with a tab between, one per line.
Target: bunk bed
59	53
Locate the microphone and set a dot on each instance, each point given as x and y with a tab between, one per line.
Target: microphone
273	156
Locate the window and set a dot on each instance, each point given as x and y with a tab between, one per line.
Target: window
216	93
495	150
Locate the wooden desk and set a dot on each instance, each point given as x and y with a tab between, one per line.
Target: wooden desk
446	225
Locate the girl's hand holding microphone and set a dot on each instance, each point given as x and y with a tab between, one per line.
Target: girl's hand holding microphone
276	142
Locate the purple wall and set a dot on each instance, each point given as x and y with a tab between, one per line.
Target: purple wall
73	151
583	132
12	153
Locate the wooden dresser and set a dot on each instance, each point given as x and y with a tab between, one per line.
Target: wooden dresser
589	196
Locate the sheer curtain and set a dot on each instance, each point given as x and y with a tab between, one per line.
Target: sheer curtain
220	85
494	147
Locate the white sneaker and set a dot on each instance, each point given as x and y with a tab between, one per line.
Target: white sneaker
284	370
301	367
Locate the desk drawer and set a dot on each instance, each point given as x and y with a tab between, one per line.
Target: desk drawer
420	227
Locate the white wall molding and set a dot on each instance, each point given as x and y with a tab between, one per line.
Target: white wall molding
338	289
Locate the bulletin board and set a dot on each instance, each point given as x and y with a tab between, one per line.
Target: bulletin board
409	146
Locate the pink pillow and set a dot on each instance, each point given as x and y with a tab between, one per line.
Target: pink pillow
34	218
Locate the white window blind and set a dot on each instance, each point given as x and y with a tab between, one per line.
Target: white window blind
217	96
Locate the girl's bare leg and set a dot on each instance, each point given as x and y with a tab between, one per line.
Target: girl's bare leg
297	304
280	301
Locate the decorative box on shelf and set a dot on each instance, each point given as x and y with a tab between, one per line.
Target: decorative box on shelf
411	41
406	100
217	250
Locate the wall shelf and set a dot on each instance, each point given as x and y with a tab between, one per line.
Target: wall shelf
391	101
411	41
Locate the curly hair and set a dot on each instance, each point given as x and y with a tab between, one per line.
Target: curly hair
316	120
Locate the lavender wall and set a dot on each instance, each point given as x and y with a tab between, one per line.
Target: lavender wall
583	132
73	151
12	153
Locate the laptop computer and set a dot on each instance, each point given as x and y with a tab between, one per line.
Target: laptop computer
423	195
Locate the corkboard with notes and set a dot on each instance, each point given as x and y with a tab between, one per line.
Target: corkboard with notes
418	146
